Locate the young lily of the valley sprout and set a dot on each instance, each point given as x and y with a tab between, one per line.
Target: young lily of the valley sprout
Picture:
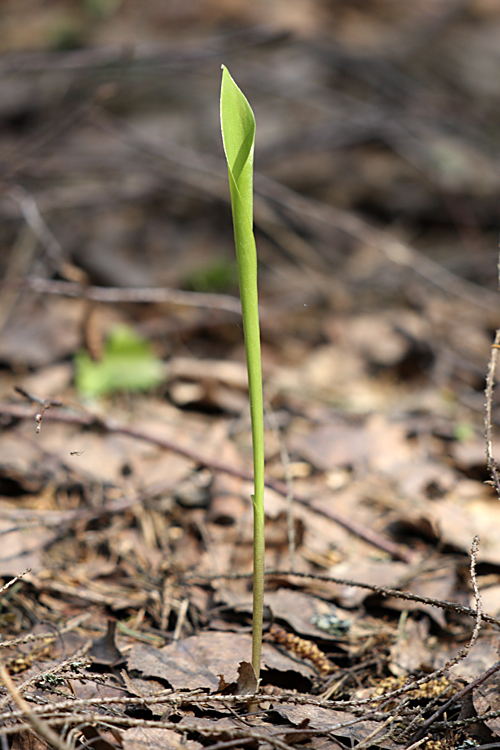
238	137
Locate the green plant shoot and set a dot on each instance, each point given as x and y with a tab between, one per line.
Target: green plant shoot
128	364
238	137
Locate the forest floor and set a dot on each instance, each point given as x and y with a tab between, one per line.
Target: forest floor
125	453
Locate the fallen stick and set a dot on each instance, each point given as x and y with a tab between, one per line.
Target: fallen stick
85	419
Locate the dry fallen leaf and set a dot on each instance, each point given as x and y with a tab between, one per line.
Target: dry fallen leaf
150	738
198	661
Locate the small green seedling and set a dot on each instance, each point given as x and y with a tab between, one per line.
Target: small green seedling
238	137
128	364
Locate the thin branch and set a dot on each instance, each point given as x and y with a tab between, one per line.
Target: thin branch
38	225
39	726
13	581
490	385
44	403
396	251
144	55
396	593
386	592
72	719
461	693
159	295
462	654
114	426
32	638
63	665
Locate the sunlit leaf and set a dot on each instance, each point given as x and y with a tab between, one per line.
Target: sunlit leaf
128	364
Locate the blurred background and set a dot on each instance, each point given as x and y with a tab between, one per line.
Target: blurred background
377	191
377	160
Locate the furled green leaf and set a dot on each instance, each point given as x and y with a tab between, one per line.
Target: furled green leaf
238	138
128	364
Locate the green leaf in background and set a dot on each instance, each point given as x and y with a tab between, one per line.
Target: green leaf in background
219	276
464	431
128	364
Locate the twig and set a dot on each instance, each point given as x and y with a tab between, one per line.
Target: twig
396	593
45	404
13	581
76	656
74	719
461	693
396	251
40	727
462	654
181	617
367	742
490	385
477	596
414	745
40	676
188	698
113	426
32	638
461	723
386	592
146	55
152	295
36	399
38	225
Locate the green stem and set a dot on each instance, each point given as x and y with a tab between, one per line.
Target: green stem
247	274
258	584
238	135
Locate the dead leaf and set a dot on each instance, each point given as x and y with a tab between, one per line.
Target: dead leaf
198	661
96	738
245	684
333	445
104	652
374	442
22	548
330	721
460	520
410	653
299	610
42	331
377	572
486	698
150	738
